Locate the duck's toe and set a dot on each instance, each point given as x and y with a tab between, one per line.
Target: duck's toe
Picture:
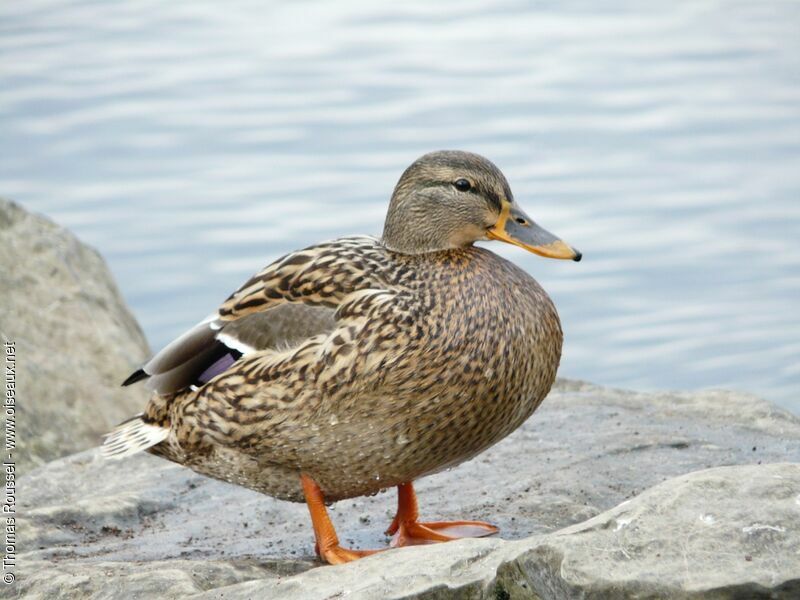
412	533
334	554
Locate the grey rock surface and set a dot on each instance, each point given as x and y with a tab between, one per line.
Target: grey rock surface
729	530
689	537
96	529
75	338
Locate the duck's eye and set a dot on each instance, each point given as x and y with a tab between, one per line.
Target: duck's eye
462	185
521	221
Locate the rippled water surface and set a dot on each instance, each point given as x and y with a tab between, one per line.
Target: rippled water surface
192	142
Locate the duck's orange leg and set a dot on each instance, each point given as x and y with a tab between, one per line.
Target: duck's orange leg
408	530
327	545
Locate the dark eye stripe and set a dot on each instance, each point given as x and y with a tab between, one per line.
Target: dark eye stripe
464	185
494	200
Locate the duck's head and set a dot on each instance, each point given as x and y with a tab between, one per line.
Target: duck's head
452	199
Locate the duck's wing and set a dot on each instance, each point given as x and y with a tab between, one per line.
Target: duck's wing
211	346
290	300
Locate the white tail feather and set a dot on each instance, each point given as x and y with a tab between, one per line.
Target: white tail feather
131	437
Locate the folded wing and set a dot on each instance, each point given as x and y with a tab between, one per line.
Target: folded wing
289	301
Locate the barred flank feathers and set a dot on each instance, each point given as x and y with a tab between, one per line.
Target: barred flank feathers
132	436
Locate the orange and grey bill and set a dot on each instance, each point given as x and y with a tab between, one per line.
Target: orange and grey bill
517	228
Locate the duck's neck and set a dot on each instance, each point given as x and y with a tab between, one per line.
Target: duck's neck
422	234
415	244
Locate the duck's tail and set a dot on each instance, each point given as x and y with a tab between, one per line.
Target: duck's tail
132	436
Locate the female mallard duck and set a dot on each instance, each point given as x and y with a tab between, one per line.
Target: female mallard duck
364	363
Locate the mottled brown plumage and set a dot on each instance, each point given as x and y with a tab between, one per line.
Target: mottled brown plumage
420	350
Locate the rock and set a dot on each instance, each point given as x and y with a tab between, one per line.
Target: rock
75	339
97	529
730	531
692	536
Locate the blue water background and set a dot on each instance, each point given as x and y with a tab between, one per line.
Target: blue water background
193	142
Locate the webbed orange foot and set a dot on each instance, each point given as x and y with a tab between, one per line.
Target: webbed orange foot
415	533
336	555
327	545
409	531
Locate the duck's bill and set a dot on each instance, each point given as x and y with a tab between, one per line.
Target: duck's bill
515	227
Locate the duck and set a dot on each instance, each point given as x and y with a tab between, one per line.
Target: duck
365	363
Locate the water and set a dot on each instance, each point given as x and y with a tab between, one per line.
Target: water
192	142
